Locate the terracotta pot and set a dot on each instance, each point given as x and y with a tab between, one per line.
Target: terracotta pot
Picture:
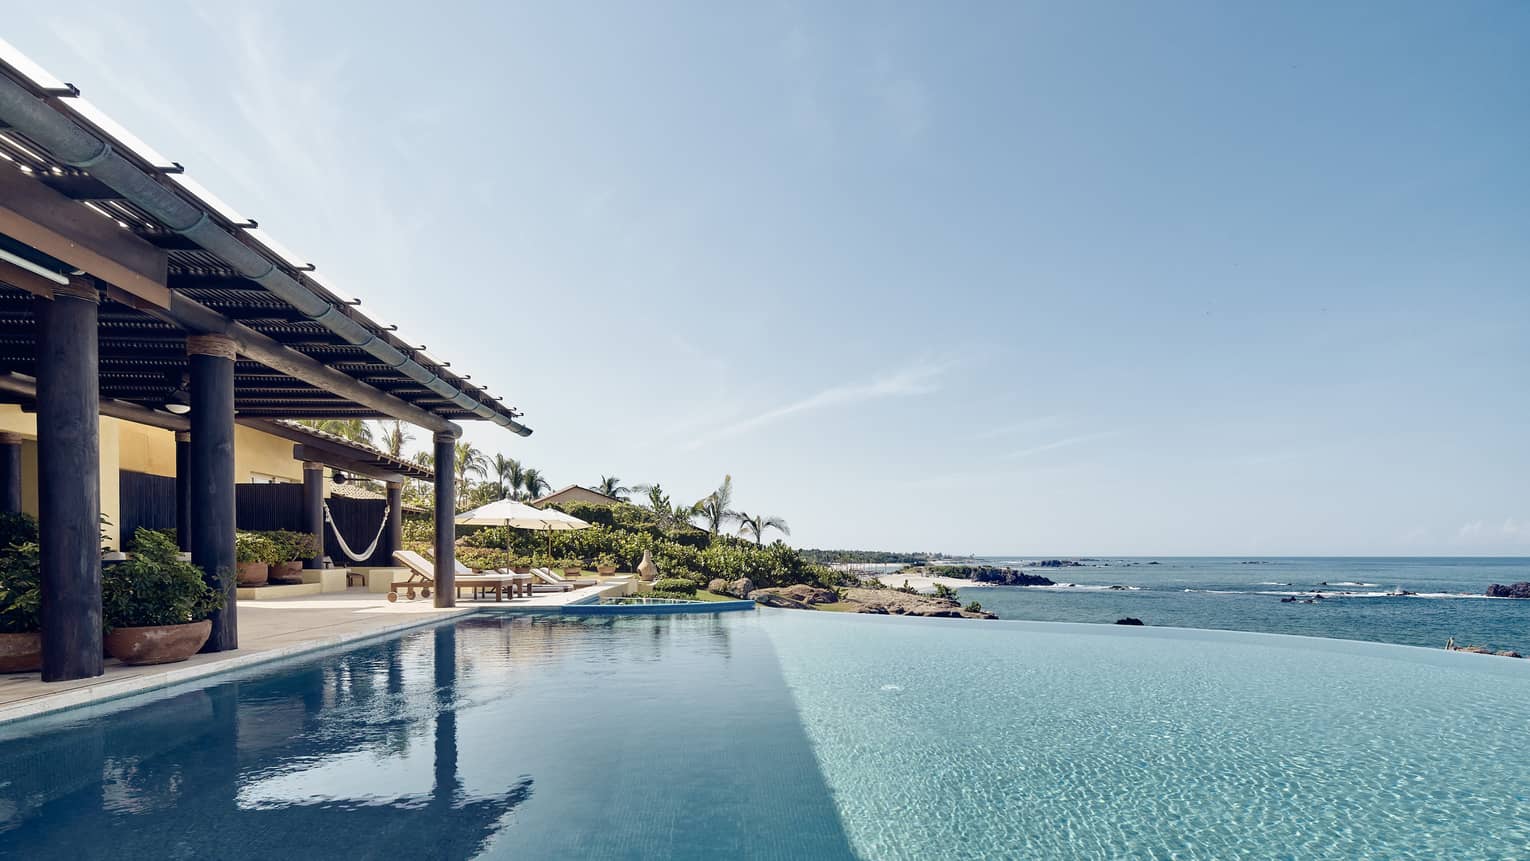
287	572
605	570
157	644
572	572
520	569
253	573
20	653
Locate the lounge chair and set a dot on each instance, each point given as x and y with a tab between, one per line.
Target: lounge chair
422	575
552	581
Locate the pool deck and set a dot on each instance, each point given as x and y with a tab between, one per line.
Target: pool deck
268	630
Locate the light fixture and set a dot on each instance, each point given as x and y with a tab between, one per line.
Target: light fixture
339	477
179	399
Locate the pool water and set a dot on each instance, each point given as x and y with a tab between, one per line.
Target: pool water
785	734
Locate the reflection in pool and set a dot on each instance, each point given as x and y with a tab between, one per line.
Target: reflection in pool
495	737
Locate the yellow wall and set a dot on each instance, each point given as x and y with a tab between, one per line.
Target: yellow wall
257	452
139	448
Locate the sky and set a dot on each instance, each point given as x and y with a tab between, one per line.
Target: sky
1015	278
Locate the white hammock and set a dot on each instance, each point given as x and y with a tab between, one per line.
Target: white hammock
340	539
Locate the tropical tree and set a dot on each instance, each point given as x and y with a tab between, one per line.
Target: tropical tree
507	472
394	435
469	461
756	525
715	508
533	484
355	430
611	486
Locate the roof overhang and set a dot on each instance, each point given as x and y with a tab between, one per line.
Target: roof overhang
82	194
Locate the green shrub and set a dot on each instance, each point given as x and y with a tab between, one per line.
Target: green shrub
155	587
419	529
590	512
293	546
20	588
252	547
974	607
674	587
944	591
132	543
17	528
605	560
481	558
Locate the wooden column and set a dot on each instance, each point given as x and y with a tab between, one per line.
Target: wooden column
393	541
313	508
183	490
10	473
446	520
212	477
69	482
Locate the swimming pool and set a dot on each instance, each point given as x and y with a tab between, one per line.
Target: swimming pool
794	735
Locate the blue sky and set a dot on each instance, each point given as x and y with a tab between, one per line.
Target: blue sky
1099	278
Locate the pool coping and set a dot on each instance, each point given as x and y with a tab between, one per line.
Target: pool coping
175	674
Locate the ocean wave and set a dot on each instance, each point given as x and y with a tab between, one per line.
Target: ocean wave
1087	587
1336	593
1344	583
1272	584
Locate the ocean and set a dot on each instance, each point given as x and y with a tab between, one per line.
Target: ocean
1244	594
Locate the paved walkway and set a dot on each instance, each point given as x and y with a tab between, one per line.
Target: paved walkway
267	630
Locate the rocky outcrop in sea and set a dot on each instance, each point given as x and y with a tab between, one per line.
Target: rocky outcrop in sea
1516	590
882	602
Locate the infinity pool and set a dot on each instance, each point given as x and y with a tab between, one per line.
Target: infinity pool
785	734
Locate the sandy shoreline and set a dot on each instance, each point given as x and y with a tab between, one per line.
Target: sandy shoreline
927	584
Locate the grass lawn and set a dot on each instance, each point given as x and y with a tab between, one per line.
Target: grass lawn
838	607
704	595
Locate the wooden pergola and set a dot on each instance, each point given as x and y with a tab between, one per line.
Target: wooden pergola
127	291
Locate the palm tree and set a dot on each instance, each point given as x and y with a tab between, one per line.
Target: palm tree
757	524
714	507
469	461
533	484
394	436
611	486
508	472
355	430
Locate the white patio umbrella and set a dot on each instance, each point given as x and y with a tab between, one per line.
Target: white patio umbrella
518	515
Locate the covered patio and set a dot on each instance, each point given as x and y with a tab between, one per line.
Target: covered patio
127	291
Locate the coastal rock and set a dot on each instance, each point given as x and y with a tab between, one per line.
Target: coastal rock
1010	577
798	597
718	586
1059	563
1516	590
1508	653
1129	620
739	588
891	602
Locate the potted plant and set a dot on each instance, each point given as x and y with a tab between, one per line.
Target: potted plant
20	596
605	564
156	607
252	555
571	567
520	564
290	550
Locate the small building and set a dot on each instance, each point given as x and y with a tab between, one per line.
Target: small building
576	493
155	346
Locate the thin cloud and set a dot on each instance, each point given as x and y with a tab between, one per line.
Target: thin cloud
915	380
1017	427
1062	443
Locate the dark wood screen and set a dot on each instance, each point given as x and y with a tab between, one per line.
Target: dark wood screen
262	507
146	501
